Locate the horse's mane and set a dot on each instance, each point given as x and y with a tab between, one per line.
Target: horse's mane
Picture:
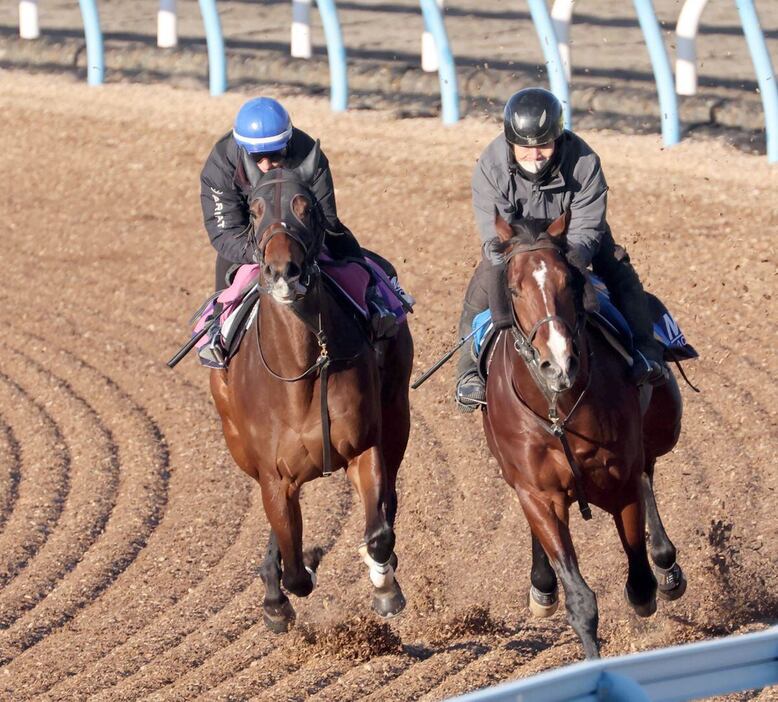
530	230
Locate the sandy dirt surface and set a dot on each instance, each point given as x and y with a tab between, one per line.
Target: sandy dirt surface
129	542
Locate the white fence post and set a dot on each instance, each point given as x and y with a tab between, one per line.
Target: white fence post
301	29
686	51
429	53
28	19
561	13
167	27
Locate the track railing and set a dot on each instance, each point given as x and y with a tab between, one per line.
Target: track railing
689	672
553	30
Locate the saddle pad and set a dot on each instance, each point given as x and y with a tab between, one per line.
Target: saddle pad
353	279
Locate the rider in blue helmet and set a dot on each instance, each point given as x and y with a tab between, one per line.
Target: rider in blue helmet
264	129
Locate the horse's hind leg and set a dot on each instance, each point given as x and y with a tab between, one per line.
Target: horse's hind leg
543	593
640	590
279	614
368	475
548	521
670	577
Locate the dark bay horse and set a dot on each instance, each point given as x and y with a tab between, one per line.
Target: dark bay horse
558	396
305	364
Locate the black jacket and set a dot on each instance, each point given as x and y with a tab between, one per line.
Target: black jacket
224	191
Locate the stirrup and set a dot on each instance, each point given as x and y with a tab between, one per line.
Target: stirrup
645	372
474	397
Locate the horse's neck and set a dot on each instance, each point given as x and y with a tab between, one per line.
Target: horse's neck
288	333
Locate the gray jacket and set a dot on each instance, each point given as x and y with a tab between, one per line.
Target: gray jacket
576	183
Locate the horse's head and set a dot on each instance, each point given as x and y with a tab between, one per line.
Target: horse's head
286	231
546	295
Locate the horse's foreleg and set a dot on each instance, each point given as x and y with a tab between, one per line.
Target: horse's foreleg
368	475
548	521
670	578
543	594
640	590
282	507
279	614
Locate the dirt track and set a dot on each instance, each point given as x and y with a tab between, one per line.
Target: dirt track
129	543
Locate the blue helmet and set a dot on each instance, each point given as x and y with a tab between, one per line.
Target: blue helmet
262	125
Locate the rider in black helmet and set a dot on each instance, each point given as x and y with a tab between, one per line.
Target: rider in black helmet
538	169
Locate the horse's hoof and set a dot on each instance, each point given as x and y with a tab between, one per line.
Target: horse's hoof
642	610
672	582
543	604
389	602
279	618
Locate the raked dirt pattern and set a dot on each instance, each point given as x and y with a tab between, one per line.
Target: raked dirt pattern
129	542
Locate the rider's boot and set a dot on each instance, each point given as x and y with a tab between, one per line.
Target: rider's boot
382	320
470	391
648	366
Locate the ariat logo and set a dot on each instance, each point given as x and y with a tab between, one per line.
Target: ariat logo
218	207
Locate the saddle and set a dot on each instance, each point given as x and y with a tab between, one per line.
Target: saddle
608	321
230	312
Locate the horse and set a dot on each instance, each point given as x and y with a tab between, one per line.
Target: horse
565	423
307	393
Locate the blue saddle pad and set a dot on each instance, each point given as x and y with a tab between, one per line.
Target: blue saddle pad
666	329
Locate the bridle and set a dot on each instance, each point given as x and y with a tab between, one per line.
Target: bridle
276	218
279	212
522	344
523	341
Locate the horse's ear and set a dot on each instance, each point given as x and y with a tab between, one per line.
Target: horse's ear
250	167
307	169
559	226
504	230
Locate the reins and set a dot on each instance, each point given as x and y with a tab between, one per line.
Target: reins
522	344
319	368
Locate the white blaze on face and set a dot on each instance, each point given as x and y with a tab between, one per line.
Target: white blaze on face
557	343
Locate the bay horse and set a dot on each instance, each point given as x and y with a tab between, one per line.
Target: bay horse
307	393
564	423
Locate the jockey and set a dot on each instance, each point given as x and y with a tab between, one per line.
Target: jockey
538	169
264	130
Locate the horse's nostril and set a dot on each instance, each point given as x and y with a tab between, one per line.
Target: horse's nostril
549	369
292	271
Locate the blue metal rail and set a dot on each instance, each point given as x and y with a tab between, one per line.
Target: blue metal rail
674	674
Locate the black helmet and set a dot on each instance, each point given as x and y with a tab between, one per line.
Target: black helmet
533	116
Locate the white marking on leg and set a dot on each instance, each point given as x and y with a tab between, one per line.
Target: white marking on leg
381	574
